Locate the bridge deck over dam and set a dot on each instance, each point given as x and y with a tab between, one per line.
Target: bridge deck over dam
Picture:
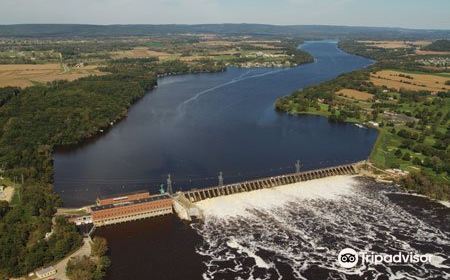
270	182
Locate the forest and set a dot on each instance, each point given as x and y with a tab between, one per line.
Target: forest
36	120
439	45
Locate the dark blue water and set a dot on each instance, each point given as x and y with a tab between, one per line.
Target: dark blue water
194	126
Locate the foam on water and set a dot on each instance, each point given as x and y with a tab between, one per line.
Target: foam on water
238	204
296	232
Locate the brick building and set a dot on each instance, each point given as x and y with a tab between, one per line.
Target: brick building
130	207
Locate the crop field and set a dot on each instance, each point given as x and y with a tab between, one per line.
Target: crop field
415	82
141	52
424	52
23	75
355	94
396	44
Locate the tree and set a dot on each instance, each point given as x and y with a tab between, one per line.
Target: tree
4	207
398	153
406	156
81	268
99	246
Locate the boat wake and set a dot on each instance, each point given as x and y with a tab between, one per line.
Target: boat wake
297	231
238	79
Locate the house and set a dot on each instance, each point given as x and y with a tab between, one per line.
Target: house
46	272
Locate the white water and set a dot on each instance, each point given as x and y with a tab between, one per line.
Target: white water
237	204
296	232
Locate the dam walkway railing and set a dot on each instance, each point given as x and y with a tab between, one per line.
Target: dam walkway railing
270	182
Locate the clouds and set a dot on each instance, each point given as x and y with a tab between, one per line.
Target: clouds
402	13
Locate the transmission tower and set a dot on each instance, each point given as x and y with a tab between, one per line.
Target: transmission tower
220	179
298	166
169	184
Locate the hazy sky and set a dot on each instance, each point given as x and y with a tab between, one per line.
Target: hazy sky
398	13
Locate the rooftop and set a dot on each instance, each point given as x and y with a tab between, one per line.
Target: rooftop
121	194
45	270
131	202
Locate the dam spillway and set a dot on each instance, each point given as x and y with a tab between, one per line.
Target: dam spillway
270	182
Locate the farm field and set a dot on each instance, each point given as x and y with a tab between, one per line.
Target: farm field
396	44
24	75
355	94
425	52
142	52
415	82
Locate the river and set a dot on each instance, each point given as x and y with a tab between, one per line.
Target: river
194	126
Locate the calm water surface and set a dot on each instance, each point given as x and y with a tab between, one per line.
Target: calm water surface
194	126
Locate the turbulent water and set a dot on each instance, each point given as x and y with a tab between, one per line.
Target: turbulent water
297	231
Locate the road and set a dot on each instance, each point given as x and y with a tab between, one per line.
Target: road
85	250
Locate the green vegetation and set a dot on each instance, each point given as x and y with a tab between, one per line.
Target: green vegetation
90	268
439	45
23	227
37	119
99	246
414	132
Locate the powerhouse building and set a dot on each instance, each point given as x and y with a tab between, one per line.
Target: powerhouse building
129	207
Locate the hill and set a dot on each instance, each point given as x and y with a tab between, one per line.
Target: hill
305	31
439	45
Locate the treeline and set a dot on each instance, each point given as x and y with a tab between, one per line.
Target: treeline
297	56
308	98
24	245
419	182
395	58
34	121
375	53
439	45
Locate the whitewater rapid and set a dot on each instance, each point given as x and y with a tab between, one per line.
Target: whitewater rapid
296	232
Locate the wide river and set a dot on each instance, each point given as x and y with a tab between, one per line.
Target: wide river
194	126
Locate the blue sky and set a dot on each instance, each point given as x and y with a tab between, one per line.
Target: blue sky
394	13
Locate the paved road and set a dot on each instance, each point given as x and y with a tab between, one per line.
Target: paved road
85	250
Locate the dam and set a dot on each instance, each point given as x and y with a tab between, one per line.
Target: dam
141	205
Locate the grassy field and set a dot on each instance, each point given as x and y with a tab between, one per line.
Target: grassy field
24	75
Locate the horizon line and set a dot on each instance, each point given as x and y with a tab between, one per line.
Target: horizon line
230	23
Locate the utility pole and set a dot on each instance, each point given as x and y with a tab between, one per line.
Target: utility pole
220	179
298	166
169	184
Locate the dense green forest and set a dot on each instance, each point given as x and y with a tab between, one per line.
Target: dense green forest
439	45
23	246
37	119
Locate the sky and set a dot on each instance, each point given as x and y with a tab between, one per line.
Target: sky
428	14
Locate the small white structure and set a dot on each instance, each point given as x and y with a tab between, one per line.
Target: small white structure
46	272
374	123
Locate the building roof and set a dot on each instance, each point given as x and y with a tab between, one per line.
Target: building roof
45	270
131	202
121	194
